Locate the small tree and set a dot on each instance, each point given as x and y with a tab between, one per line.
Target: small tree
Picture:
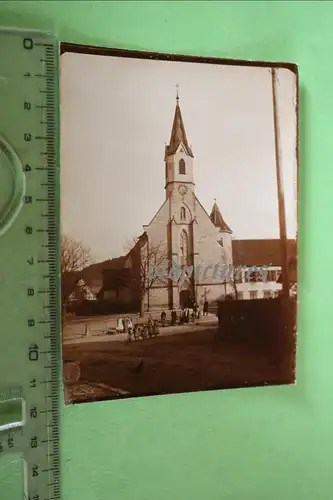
233	281
205	293
231	274
74	256
231	277
151	266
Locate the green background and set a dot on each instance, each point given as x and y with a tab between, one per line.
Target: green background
252	444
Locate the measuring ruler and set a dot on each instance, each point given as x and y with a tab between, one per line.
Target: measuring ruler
29	306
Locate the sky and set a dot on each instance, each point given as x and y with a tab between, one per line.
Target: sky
116	117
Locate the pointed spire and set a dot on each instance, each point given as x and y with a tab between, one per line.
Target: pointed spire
178	134
217	219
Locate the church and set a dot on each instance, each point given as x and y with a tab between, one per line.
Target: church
183	233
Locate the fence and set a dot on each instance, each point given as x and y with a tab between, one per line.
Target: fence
262	321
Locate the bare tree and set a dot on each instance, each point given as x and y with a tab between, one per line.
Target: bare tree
150	265
74	256
231	275
205	294
233	281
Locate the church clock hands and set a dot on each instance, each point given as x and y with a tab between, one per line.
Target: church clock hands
182	189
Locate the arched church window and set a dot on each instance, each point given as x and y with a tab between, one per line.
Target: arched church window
183	248
182	213
182	167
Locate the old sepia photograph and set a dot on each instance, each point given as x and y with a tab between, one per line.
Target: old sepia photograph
178	223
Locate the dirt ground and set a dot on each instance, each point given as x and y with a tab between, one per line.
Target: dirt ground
186	362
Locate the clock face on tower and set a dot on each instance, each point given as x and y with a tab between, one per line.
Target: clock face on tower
182	189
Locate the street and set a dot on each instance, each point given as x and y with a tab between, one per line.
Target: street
184	362
102	329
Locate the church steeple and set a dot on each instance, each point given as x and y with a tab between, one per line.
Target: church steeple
217	219
178	134
178	159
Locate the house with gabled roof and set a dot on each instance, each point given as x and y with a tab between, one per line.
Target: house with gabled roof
250	256
88	283
81	292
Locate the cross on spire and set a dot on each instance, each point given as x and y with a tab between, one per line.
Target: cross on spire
177	87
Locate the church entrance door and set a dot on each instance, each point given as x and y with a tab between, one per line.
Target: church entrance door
184	298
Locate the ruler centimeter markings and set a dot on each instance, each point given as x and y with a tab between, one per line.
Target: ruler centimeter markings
29	106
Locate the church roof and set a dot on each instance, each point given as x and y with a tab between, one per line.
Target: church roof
94	272
261	252
178	134
116	278
217	219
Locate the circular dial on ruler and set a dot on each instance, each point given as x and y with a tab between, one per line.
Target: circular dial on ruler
12	185
182	189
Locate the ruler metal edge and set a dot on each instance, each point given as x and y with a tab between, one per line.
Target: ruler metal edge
16	437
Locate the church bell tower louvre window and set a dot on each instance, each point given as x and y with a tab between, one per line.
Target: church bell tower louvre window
182	167
182	213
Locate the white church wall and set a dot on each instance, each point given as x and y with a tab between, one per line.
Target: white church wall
157	298
209	250
178	200
227	246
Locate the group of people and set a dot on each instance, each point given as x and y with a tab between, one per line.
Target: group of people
137	330
187	314
124	325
